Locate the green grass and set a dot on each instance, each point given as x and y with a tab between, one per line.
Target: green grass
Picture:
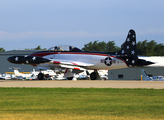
81	103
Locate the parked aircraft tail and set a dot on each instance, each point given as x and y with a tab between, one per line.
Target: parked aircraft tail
17	73
128	51
145	76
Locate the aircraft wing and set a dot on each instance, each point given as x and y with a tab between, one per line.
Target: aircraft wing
75	63
72	64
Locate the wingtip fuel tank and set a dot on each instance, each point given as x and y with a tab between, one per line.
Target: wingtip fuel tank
27	60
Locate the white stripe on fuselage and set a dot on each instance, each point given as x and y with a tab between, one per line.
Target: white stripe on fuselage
89	58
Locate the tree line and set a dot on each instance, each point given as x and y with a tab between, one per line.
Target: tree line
144	48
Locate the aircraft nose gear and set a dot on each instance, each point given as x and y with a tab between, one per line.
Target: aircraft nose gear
108	61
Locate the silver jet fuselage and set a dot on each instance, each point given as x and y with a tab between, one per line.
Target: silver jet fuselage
87	60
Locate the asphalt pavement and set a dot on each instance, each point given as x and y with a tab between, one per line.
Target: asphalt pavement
83	84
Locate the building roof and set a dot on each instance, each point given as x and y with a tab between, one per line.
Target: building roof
18	52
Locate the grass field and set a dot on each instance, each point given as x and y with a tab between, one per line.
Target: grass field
81	103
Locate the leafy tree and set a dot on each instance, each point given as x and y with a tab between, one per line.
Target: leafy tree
111	47
159	50
144	48
151	48
2	50
94	46
37	48
101	46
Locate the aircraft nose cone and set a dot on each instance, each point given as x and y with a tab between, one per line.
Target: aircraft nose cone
11	59
15	59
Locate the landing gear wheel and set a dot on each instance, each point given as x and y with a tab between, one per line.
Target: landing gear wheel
93	76
69	78
40	76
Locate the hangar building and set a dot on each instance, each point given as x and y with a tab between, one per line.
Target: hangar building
6	66
134	73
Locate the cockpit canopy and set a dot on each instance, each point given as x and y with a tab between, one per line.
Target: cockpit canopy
64	48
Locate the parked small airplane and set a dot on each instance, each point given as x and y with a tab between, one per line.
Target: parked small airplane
48	74
145	77
76	60
23	76
5	77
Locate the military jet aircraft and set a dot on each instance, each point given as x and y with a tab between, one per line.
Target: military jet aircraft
76	60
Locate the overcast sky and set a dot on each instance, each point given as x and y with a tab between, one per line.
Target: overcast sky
29	23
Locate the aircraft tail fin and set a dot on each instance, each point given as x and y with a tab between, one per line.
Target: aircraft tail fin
144	75
16	72
128	50
129	46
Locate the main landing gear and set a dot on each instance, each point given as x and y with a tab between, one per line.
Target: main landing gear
94	75
69	78
40	76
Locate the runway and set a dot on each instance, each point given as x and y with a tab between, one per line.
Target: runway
83	84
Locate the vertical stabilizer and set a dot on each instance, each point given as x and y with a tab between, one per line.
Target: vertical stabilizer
16	72
144	75
128	50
